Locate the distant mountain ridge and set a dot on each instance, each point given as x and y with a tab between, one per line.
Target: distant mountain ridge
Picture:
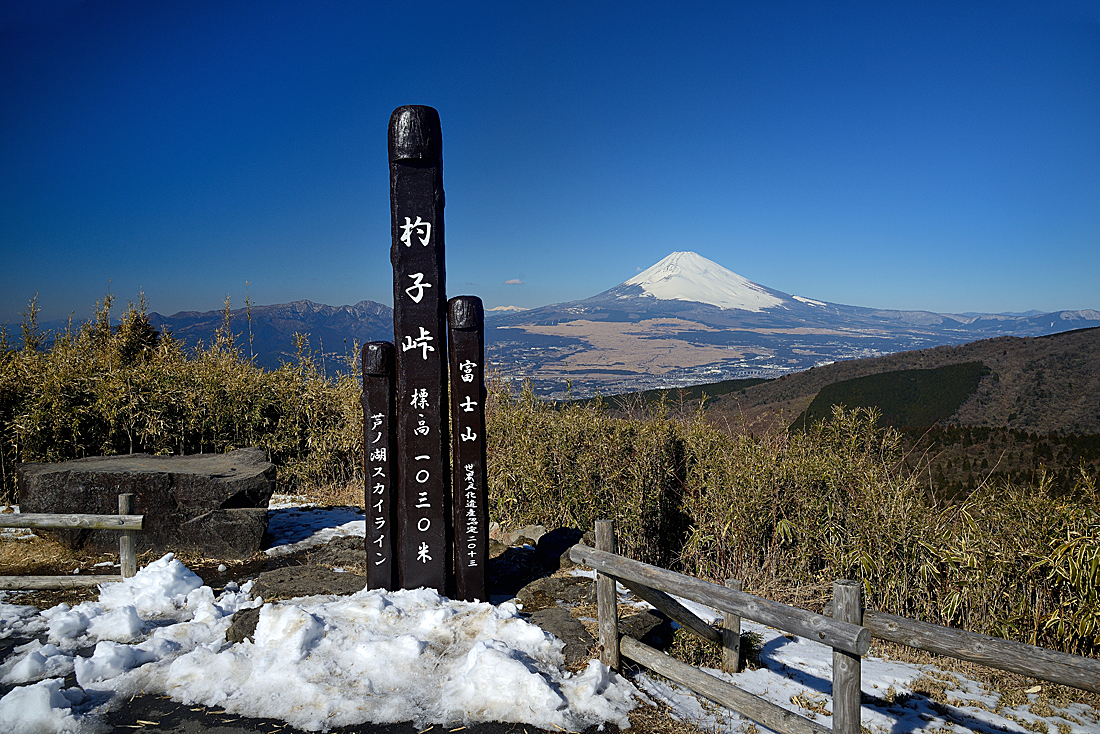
688	320
685	320
332	330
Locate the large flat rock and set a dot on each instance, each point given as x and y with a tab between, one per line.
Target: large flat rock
212	503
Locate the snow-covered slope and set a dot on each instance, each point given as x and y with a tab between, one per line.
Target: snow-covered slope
686	276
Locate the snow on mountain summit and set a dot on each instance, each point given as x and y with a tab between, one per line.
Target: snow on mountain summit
687	276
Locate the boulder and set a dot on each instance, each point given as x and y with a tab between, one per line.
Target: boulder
563	625
215	504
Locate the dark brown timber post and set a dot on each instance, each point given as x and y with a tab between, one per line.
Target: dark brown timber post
419	323
379	460
731	635
466	321
127	556
847	668
607	608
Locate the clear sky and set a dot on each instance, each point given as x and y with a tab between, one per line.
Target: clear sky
932	155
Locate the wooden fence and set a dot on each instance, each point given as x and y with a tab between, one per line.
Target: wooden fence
847	628
125	522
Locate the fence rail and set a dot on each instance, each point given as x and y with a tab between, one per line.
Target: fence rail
832	632
846	627
849	641
125	522
728	695
1015	657
46	521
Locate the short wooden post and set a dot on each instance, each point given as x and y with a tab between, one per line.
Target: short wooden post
607	600
731	635
466	332
127	557
847	607
379	462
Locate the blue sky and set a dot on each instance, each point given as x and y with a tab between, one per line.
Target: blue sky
936	155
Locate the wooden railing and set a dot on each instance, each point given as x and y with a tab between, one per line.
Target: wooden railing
1016	657
849	641
846	627
125	522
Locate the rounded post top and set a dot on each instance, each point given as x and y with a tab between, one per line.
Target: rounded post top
378	359
415	134
465	312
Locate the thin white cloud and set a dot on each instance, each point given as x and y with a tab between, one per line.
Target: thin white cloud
513	281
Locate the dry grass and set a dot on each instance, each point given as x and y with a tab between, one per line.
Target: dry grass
338	494
39	556
652	718
653	345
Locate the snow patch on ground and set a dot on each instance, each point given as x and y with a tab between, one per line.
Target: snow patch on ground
294	525
315	662
797	675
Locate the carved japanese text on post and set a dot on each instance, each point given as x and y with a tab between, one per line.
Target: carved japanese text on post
419	315
379	461
471	513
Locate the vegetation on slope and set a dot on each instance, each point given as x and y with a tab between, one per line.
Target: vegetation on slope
626	402
1038	385
913	399
103	389
955	460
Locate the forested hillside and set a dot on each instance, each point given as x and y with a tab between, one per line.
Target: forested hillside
1023	409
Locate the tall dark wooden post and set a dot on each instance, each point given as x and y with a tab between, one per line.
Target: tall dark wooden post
466	319
379	462
419	322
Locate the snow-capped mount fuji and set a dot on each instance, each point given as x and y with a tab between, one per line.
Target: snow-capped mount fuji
687	276
688	320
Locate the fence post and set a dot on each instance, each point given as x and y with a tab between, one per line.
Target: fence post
731	635
607	600
127	558
847	607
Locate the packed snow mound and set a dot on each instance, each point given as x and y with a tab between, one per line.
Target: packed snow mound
686	276
315	662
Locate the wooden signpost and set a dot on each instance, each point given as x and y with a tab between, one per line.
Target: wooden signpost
379	461
413	538
466	319
424	525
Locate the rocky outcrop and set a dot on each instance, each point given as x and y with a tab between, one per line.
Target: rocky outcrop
212	503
